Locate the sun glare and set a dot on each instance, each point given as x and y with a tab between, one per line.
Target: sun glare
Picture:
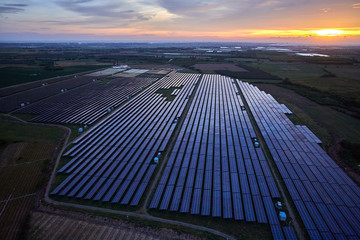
329	32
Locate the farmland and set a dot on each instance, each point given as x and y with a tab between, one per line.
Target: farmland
15	75
213	67
200	150
25	163
332	85
46	225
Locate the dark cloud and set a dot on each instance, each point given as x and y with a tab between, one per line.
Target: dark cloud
16	5
189	6
10	10
88	23
109	10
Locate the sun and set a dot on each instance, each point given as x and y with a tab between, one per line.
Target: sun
329	32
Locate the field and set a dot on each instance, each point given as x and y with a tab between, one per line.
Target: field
45	225
15	75
77	63
345	71
327	84
26	157
213	67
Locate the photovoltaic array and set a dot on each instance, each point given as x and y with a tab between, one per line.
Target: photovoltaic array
88	103
214	168
114	161
12	98
326	198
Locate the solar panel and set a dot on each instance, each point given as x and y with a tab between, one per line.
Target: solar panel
259	210
248	208
309	224
263	186
237	204
270	210
216	204
185	204
315	235
289	233
205	207
277	232
227	205
341	220
176	199
195	206
272	187
318	220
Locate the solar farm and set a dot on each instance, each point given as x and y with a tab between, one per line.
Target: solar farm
114	161
199	145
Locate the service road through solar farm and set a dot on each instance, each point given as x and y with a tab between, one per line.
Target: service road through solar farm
202	146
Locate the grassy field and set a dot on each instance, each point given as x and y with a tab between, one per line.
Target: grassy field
235	60
166	93
15	75
25	159
262	81
293	71
68	63
16	132
345	71
325	84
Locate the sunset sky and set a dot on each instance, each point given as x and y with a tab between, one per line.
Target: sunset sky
307	21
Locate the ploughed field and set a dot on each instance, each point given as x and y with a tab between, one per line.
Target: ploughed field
45	225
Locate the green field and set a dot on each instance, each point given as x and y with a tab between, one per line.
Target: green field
16	75
345	71
293	71
326	84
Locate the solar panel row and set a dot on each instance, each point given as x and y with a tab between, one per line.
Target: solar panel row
113	162
214	168
6	91
327	200
309	134
86	104
12	102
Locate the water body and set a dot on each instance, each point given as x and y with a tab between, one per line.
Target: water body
312	55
